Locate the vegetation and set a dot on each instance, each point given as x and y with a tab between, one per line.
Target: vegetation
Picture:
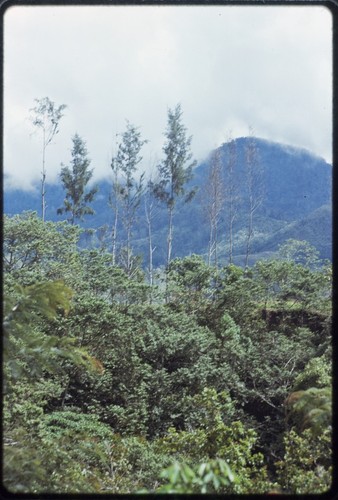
218	382
213	202
75	180
197	377
46	116
127	191
175	170
282	215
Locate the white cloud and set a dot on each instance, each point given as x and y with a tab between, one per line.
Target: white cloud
229	67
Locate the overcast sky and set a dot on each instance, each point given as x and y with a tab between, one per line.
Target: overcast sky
230	67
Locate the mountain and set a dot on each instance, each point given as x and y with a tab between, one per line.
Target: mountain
296	203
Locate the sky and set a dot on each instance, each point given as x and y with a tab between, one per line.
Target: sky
230	68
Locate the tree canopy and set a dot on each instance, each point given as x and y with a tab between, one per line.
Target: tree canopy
218	383
75	180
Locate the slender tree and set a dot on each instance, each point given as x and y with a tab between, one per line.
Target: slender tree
254	188
151	211
213	200
75	180
127	190
231	192
114	205
46	116
175	170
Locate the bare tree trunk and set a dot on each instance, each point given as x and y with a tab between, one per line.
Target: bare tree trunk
43	197
215	246
149	217
129	270
127	223
114	236
43	179
169	249
151	251
170	236
114	204
210	246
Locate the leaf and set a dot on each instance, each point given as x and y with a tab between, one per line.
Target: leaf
201	469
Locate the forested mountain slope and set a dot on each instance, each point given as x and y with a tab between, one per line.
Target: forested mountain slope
295	190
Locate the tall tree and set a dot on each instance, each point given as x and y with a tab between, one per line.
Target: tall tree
254	188
75	180
127	190
213	200
151	212
114	205
175	170
46	116
231	192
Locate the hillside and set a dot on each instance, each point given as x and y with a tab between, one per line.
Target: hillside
296	204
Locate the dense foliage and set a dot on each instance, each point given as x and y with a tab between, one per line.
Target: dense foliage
210	380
